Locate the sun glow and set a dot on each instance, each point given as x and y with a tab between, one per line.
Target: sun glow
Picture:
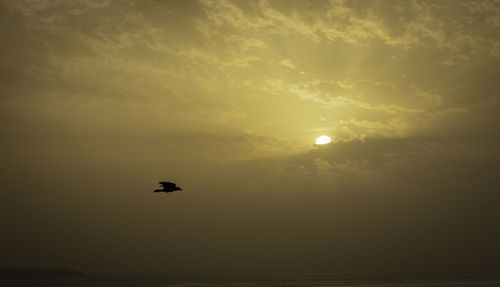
323	140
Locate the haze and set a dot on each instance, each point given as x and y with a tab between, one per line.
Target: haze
101	100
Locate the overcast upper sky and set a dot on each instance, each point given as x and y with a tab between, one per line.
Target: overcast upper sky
100	100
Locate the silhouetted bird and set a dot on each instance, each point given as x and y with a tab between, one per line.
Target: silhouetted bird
168	187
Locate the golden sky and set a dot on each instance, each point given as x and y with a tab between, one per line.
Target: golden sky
102	99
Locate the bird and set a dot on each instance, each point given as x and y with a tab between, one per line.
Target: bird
167	187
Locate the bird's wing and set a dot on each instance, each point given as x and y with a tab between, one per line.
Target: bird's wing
167	184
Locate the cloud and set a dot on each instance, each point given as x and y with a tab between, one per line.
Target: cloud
419	192
398	24
287	63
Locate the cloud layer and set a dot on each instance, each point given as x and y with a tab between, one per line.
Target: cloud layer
101	99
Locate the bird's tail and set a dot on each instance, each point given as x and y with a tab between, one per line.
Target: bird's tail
158	190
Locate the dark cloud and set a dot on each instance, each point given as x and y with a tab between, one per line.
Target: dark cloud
406	196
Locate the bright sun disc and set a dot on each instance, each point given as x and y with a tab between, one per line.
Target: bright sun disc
323	140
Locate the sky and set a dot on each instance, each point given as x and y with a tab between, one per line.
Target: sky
100	100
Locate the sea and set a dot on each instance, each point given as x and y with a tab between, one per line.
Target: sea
379	280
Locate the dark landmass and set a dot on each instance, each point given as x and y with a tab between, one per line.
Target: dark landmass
35	273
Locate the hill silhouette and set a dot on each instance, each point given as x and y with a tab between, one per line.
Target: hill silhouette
34	273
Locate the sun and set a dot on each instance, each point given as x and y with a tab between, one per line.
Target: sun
323	140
